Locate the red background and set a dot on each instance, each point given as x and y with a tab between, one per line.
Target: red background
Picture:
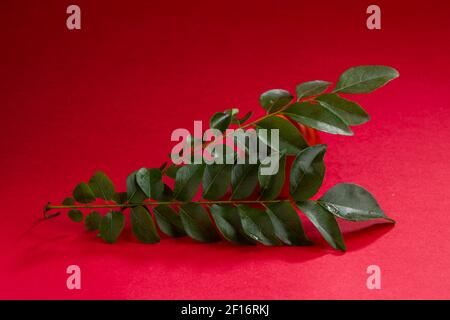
108	97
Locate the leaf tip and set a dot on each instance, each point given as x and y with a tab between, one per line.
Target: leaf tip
396	73
47	208
349	133
390	220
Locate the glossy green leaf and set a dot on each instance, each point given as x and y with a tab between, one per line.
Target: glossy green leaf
318	117
68	201
75	215
220	121
307	172
228	222
236	120
134	193
257	225
221	154
274	100
233	112
287	225
197	223
120	197
244	178
171	171
150	181
143	226
83	193
187	181
166	195
352	202
311	88
92	221
169	221
290	139
216	180
349	111
271	185
102	186
111	226
365	79
324	221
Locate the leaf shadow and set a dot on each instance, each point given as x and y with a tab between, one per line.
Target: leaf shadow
178	253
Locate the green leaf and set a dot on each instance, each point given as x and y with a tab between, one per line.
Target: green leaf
150	181
197	223
324	221
311	88
244	178
290	139
287	225
188	181
163	166
233	112
241	121
216	180
120	197
307	172
111	226
229	224
134	193
365	79
169	221
102	186
352	202
83	193
166	195
68	201
220	121
274	100
222	153
143	226
92	221
75	215
271	185
318	117
257	225
347	110
171	171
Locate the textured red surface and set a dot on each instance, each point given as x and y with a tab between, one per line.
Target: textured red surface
107	97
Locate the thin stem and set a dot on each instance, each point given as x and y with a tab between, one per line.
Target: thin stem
155	203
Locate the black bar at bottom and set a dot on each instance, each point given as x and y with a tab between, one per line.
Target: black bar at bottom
220	309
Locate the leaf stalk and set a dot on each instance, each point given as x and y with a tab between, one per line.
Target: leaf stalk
49	207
